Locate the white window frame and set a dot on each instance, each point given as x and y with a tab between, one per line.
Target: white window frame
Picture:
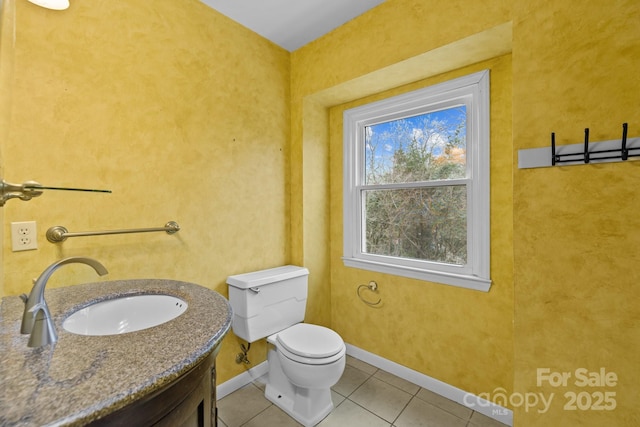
471	90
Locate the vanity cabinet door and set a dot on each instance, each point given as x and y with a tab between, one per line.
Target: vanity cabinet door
194	411
214	406
188	401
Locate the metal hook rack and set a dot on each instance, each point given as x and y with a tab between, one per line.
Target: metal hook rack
587	155
586	152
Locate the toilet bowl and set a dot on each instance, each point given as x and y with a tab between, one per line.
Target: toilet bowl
304	360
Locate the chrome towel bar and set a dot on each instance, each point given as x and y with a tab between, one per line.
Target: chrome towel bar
58	233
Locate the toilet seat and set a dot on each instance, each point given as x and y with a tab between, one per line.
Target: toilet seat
310	344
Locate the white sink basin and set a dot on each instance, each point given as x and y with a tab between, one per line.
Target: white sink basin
124	314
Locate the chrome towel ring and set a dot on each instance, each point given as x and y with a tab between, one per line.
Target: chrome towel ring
373	287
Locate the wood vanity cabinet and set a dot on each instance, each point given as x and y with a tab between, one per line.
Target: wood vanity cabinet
188	401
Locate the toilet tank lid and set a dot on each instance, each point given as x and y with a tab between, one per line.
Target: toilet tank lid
263	277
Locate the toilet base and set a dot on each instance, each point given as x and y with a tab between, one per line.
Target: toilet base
306	406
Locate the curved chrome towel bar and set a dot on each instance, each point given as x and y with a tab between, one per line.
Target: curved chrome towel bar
58	233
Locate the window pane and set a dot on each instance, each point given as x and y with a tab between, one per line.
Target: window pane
426	147
427	223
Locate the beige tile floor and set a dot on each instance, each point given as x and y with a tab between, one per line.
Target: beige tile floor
365	396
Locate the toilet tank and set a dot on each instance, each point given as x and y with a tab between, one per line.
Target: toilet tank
267	301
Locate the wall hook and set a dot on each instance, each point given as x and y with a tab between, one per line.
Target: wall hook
586	145
624	152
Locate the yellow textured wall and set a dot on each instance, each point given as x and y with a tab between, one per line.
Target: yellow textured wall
573	245
577	229
7	11
435	324
164	104
181	112
438	330
396	43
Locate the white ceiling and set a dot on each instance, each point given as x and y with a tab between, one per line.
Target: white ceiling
292	23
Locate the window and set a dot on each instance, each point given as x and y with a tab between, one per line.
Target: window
416	184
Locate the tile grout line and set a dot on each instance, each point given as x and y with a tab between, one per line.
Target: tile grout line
363	382
252	418
413	396
403	409
373	375
366	375
369	411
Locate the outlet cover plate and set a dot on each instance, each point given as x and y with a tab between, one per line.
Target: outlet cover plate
23	236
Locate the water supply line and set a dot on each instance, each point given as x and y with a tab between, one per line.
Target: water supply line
242	357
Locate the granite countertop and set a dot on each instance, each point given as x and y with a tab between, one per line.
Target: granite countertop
82	378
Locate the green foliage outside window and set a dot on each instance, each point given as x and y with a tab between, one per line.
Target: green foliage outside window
420	215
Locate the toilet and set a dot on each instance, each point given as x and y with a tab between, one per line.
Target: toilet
304	360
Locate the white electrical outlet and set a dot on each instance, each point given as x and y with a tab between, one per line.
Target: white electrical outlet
23	236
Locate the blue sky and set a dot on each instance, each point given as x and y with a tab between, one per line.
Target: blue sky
430	130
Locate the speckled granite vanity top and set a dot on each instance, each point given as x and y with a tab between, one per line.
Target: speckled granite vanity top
82	378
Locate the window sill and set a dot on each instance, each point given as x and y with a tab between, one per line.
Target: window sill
458	280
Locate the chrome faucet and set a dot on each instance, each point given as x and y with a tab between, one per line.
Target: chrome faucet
36	319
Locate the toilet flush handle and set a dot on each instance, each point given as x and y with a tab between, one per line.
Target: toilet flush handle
256	290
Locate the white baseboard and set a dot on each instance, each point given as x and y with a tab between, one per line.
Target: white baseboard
469	400
239	381
462	397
